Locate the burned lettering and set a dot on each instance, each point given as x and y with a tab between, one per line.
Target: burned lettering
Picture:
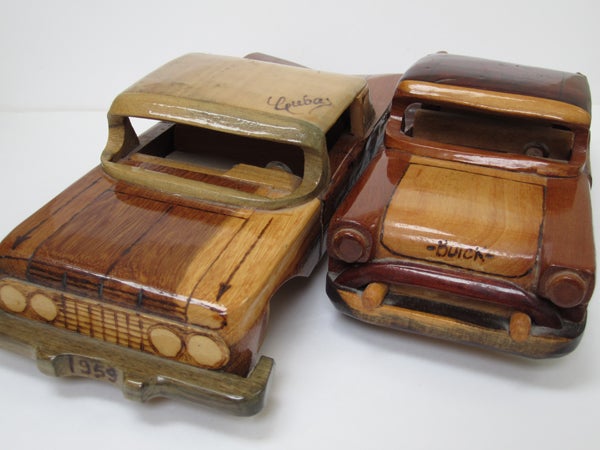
444	250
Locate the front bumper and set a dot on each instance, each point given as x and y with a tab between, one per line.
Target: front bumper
141	376
422	311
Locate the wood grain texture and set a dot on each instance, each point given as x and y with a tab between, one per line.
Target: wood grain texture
497	102
474	224
166	291
499	76
244	97
433	324
482	223
506	92
66	354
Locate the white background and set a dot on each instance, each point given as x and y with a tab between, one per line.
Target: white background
338	383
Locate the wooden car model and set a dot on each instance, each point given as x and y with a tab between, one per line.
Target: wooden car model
474	224
154	271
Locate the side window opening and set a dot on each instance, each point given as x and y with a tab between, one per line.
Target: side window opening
341	126
340	131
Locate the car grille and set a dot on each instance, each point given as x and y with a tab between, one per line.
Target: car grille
114	324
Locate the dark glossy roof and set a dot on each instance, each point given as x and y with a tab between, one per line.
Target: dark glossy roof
464	71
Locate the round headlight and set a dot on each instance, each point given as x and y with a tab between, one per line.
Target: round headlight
351	245
207	351
13	298
565	288
165	341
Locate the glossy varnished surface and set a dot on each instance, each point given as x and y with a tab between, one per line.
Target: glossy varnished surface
497	237
279	103
306	332
498	76
161	287
416	392
180	261
480	233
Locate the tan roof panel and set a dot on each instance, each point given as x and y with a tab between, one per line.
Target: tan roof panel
201	88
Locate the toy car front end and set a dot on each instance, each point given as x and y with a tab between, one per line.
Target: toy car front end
155	270
474	224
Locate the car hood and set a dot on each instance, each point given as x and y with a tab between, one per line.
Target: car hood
473	220
152	252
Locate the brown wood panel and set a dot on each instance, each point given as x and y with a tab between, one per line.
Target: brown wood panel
483	223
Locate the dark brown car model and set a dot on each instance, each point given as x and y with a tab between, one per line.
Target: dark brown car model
474	224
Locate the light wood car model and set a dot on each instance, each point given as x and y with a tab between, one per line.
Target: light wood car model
154	271
475	223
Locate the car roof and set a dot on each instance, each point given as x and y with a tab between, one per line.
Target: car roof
500	86
201	89
258	99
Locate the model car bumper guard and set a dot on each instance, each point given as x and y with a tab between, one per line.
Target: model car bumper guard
494	332
64	353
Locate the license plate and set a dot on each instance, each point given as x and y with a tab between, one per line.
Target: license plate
82	366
